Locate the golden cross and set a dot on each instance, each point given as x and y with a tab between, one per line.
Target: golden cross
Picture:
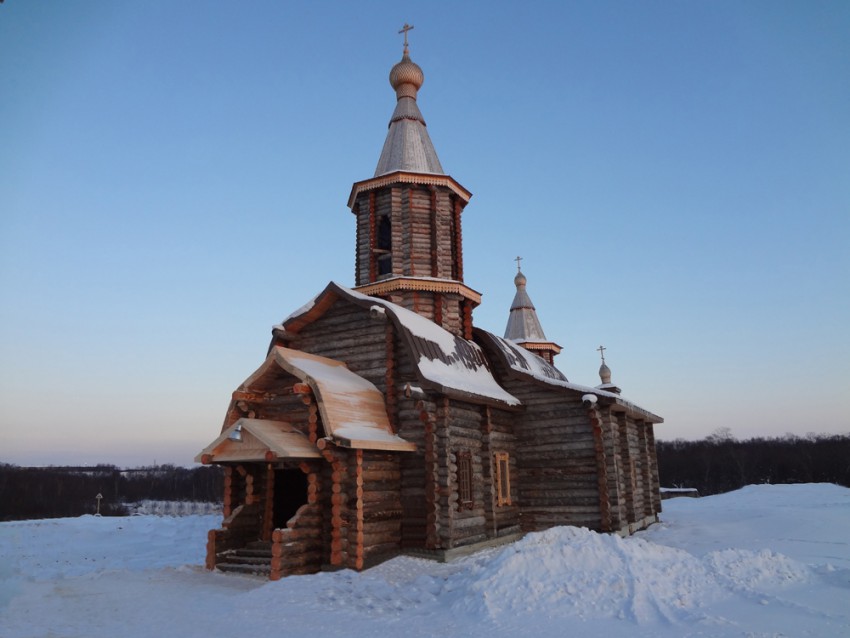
404	30
601	350
517	260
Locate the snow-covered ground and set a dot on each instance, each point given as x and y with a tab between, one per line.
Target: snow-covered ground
763	561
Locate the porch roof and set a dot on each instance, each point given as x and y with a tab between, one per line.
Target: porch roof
260	440
352	408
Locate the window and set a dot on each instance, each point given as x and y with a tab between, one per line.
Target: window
464	480
384	246
385	233
502	476
453	241
385	265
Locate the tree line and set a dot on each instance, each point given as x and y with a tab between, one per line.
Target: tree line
51	492
718	463
722	463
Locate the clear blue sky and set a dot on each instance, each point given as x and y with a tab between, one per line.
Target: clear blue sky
174	179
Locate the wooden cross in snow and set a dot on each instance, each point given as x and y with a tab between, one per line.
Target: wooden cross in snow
601	350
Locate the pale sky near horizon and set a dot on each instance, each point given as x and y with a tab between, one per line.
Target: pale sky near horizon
174	179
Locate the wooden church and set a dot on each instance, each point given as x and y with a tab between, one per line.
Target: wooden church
382	421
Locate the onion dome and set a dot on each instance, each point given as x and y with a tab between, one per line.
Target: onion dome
406	77
605	374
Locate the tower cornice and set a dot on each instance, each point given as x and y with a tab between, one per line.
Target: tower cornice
407	177
428	284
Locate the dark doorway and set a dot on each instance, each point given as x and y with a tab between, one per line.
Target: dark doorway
290	493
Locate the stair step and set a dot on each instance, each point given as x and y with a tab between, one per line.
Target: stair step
253	553
247	560
240	568
259	545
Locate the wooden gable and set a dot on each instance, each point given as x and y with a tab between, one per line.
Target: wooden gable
258	440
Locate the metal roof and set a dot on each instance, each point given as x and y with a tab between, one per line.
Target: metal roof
523	324
408	146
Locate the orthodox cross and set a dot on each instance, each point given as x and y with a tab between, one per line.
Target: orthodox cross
517	260
601	350
404	30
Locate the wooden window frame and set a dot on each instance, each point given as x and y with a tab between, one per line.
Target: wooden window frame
502	478
465	491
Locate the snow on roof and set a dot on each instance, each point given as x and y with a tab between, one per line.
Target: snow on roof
529	364
526	362
352	408
450	362
445	359
302	310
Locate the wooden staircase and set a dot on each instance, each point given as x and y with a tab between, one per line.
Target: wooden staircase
254	559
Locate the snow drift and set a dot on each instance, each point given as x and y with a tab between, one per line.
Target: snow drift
766	560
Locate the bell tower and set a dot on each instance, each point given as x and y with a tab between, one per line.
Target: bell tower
409	243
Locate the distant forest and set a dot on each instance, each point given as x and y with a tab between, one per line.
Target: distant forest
719	463
51	492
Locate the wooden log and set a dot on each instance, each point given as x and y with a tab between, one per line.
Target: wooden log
283	563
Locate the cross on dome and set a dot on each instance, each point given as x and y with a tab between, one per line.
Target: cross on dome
601	350
404	30
517	260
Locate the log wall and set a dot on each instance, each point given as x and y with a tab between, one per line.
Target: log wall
653	460
347	333
376	532
499	436
632	471
281	404
616	462
415	424
425	231
556	457
364	526
425	223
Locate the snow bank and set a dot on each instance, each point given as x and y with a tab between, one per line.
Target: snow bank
574	572
563	572
67	547
763	561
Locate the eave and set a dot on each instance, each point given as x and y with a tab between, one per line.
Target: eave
430	284
406	177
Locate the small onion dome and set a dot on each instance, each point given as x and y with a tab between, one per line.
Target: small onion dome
520	279
406	77
605	373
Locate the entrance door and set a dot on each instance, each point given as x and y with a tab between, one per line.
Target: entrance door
290	493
